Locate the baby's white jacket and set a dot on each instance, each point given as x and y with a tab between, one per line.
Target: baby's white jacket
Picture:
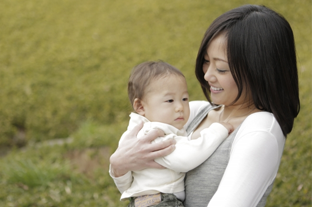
187	155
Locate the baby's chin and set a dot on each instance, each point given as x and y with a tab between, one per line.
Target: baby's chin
178	126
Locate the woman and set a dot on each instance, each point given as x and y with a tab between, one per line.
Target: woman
246	66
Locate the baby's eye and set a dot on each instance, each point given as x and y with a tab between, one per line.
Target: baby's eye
185	99
170	100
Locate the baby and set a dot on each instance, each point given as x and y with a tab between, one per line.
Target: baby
159	96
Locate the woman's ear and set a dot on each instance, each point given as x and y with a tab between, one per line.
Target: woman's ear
138	106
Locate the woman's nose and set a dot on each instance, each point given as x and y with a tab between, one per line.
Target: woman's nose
209	75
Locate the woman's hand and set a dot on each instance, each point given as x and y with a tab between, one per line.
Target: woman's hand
138	154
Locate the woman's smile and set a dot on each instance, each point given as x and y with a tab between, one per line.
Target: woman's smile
215	89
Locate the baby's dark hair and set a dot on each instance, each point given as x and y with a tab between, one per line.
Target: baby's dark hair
142	75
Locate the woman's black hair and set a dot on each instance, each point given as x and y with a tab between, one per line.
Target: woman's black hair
262	58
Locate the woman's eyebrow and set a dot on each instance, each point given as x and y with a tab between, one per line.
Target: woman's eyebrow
220	59
216	58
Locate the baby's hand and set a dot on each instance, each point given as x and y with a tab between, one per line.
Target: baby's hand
228	126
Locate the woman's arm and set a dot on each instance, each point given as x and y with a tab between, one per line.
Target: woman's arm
253	164
250	171
137	154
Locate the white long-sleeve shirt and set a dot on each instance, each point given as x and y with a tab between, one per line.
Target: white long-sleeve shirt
241	171
187	155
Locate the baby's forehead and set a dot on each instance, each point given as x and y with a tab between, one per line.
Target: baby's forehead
166	80
166	85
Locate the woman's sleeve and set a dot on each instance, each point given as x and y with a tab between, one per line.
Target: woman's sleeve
122	182
252	167
188	154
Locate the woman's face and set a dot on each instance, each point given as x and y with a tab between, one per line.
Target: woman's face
218	75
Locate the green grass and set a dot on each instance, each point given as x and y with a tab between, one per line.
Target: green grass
74	173
64	67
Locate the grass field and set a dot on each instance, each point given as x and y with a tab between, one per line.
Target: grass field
64	67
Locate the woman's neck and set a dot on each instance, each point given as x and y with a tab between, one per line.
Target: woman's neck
235	113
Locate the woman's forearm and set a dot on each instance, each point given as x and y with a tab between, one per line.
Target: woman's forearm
118	165
136	154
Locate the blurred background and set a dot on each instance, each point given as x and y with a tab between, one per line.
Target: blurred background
64	67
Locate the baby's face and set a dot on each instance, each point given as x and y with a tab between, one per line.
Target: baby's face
166	100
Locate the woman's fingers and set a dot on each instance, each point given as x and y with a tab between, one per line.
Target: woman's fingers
153	134
159	153
157	149
135	130
137	154
154	164
163	146
162	152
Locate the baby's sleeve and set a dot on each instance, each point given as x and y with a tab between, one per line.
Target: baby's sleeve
188	154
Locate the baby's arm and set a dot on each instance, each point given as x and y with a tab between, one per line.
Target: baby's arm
191	153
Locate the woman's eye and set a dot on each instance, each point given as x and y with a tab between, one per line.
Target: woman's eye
206	61
170	100
221	71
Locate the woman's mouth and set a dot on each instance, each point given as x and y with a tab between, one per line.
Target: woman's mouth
215	89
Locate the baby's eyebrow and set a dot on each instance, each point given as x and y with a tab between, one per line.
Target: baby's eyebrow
169	93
